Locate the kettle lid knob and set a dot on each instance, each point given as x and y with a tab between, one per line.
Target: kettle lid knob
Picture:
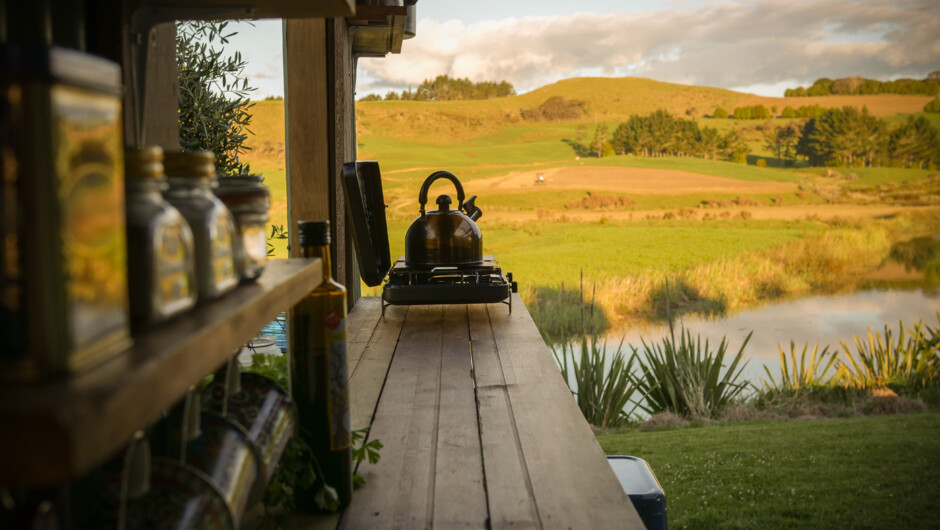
444	202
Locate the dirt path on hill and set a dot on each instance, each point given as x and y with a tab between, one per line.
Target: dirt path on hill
826	212
628	180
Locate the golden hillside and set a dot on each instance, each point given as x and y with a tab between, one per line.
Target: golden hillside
608	99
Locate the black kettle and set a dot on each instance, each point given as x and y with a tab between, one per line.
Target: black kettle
444	237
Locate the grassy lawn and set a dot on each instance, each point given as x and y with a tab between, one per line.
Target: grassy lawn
870	472
549	253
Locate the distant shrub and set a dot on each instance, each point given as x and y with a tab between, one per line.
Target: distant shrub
933	106
761	162
559	314
602	202
720	113
609	150
555	108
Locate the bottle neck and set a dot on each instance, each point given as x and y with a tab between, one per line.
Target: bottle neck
322	252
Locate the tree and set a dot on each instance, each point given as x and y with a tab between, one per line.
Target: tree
600	138
720	113
213	95
734	147
743	113
915	143
933	105
579	133
708	143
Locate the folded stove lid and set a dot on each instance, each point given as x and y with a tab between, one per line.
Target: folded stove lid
362	185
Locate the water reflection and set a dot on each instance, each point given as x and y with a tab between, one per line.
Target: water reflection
818	319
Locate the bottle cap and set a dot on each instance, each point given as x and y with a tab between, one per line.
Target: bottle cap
313	233
144	163
195	164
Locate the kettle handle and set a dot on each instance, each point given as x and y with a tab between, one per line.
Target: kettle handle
423	196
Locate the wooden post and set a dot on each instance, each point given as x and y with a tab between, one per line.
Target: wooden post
306	93
342	73
319	111
161	99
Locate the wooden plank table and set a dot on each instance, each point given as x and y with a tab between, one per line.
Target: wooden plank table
479	429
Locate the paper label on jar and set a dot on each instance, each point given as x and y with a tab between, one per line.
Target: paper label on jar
255	245
223	262
340	422
88	158
173	265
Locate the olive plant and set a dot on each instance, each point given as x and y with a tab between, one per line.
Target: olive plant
214	104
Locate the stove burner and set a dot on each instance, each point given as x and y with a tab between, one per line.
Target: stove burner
484	283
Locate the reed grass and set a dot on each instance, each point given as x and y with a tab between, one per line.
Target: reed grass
803	375
906	363
689	378
831	260
602	392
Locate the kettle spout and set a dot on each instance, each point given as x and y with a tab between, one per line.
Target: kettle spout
471	209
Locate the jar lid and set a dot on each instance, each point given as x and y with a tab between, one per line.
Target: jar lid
241	184
144	163
192	164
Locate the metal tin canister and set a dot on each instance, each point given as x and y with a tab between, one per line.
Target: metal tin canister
249	201
222	452
192	177
264	409
179	496
160	253
63	274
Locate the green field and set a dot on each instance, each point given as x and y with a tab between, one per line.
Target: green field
871	472
546	235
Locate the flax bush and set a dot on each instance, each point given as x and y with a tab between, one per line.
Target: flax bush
688	378
909	363
803	375
602	392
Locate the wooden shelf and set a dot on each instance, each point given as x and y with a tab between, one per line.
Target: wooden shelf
378	30
255	8
55	431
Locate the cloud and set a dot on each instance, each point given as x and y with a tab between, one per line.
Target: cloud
725	44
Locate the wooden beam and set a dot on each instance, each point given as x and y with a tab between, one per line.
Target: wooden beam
306	92
338	102
161	100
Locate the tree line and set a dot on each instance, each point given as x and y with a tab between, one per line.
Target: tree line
836	137
861	86
446	88
662	134
760	112
852	137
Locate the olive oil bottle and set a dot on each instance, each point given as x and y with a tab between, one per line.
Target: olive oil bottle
318	373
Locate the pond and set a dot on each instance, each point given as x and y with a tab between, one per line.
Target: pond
823	320
904	288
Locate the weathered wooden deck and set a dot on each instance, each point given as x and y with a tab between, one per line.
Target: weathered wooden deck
479	429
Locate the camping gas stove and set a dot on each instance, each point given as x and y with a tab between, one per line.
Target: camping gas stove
469	282
483	283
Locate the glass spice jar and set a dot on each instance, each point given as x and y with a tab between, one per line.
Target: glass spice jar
160	252
191	177
249	201
63	291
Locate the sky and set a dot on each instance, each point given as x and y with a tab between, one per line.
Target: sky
755	46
